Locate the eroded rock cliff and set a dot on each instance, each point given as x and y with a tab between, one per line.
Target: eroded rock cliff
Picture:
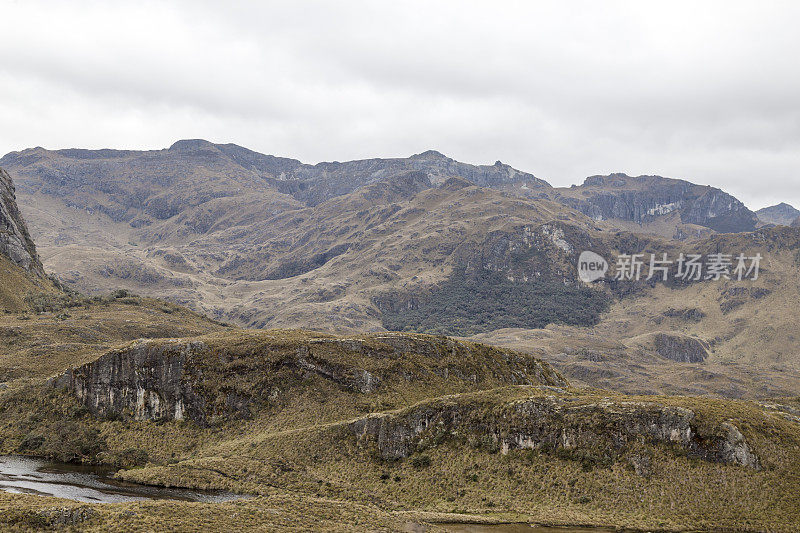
600	431
15	241
644	198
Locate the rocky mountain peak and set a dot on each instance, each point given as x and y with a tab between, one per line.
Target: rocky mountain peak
15	241
191	145
617	179
782	214
429	154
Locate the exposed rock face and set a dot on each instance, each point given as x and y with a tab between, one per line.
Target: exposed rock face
147	379
15	242
689	314
644	198
782	214
787	411
546	251
680	348
176	380
606	430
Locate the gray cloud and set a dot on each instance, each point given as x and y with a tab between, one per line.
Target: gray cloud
703	91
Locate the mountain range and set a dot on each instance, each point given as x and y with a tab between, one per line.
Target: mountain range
425	244
404	431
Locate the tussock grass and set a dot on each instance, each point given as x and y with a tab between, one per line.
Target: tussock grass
298	455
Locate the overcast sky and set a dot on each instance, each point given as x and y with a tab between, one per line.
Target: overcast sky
705	91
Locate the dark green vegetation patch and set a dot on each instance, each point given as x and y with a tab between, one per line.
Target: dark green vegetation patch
466	305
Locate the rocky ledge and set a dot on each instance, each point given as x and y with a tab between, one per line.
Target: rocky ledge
603	431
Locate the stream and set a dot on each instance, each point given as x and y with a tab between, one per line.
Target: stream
90	484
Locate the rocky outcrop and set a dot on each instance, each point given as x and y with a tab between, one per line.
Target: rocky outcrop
602	431
225	379
148	381
64	517
680	348
535	251
781	214
644	198
15	241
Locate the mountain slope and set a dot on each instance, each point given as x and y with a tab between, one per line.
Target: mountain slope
396	228
143	187
44	327
196	187
782	213
200	223
746	329
21	272
16	285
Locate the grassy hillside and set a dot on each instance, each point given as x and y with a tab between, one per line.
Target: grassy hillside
424	445
16	283
70	329
461	471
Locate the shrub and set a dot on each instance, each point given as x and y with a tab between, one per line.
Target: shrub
53	303
131	457
421	461
64	441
